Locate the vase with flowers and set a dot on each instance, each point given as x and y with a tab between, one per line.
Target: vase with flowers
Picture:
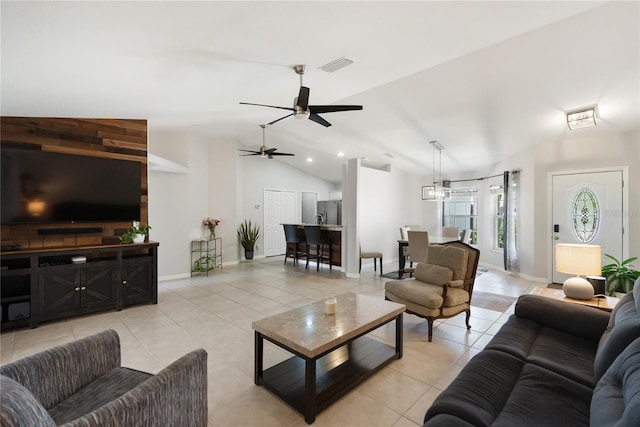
211	224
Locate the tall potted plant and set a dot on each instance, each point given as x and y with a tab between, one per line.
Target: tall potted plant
248	235
619	275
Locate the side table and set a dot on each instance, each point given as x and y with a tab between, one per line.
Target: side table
206	255
606	303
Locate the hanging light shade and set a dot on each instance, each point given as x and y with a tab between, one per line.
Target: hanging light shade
436	192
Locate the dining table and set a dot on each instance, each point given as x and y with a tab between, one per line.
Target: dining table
433	240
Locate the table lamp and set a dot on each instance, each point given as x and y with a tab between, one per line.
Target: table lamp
581	260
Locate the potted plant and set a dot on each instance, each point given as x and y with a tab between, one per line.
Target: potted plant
619	275
248	235
135	234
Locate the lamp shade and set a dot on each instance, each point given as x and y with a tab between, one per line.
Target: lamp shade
579	260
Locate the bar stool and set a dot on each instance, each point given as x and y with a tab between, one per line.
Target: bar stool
313	237
291	237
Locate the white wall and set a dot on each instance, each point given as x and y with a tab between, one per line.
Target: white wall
388	200
177	202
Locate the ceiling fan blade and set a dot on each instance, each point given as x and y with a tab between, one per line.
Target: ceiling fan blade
254	154
281	118
270	106
249	151
282	154
319	109
303	98
316	118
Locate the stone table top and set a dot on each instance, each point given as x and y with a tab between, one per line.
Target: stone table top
311	332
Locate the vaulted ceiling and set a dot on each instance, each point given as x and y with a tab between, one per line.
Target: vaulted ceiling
485	79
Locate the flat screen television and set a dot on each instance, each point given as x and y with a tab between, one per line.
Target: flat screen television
43	187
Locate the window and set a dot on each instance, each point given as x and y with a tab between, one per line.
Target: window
462	211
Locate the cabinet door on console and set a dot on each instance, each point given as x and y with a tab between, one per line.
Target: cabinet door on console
137	281
59	292
98	288
74	289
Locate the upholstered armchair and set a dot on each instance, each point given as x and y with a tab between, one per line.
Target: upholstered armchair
81	384
442	287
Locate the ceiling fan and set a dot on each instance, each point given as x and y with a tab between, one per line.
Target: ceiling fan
265	152
301	108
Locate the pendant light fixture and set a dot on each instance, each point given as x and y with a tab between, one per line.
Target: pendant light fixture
436	192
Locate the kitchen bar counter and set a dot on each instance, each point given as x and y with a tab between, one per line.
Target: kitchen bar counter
330	233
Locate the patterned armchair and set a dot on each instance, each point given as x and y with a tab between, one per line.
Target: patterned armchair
442	286
83	384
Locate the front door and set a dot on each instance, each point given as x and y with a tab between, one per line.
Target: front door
587	208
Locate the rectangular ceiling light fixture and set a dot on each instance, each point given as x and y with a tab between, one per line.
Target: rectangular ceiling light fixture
582	118
336	65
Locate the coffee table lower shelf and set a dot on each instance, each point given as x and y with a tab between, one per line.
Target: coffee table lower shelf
336	373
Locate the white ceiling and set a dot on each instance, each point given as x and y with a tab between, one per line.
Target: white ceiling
484	78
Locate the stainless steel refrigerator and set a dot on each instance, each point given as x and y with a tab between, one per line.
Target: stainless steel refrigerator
331	211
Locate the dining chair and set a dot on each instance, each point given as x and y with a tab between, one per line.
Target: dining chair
403	232
466	236
371	255
418	250
450	232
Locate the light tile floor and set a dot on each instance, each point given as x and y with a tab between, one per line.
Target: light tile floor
215	313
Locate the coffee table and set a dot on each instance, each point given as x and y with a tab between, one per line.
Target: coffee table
332	353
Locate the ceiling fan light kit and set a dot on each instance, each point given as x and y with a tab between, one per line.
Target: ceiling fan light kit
301	108
583	118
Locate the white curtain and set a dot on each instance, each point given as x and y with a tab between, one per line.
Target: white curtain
511	208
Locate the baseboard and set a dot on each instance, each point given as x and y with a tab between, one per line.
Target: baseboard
174	277
515	274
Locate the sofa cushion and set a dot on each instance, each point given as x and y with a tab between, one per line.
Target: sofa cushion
543	398
574	319
450	257
555	350
498	389
433	274
480	391
623	328
416	291
97	394
616	398
20	407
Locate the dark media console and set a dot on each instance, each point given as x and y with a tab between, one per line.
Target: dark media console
38	285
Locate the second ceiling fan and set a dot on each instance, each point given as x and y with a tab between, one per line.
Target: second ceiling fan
265	152
301	107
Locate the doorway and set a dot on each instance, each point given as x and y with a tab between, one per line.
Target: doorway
279	208
587	207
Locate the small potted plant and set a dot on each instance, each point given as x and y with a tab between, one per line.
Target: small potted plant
619	275
248	235
135	234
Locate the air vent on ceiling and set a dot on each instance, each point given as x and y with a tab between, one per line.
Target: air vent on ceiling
336	65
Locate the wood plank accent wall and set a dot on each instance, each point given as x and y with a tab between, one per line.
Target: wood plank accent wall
112	138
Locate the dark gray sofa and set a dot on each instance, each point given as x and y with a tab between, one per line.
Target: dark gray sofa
552	364
83	384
